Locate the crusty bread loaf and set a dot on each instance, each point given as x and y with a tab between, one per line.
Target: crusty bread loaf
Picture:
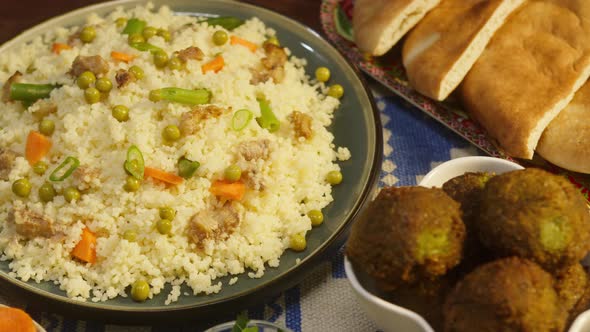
441	49
380	24
529	72
566	141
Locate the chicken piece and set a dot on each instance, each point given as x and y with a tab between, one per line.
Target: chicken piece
190	53
15	78
30	224
44	108
93	63
272	66
189	121
216	223
252	150
123	77
301	124
87	177
7	158
74	38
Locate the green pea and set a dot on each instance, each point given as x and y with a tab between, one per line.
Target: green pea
336	91
46	127
87	34
316	217
164	226
132	184
171	133
220	37
155	96
273	40
137	72
322	74
167	213
40	168
297	242
121	113
175	63
232	173
334	177
130	235
21	187
92	95
46	192
103	84
120	22
71	194
149	32
86	79
160	59
140	290
164	34
135	38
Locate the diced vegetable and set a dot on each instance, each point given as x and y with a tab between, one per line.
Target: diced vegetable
87	34
187	168
233	40
58	47
21	187
38	145
165	34
267	119
163	176
241	119
120	56
226	22
144	47
71	194
65	169
135	38
215	65
171	133
228	190
134	164
220	37
149	32
160	58
336	91
183	96
134	25
30	92
85	249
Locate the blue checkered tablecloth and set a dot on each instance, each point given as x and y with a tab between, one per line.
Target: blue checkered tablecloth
413	144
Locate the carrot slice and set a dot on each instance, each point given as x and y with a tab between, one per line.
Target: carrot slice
216	65
233	40
161	175
122	56
15	320
58	47
228	190
85	250
37	147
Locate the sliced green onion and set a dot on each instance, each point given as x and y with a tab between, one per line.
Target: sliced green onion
267	119
183	96
134	165
187	168
134	25
65	169
241	119
226	22
30	92
144	47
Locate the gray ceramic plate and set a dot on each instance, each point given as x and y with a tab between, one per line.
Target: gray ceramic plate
356	126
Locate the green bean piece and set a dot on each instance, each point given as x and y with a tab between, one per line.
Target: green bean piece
47	127
334	177
322	74
135	38
30	92
132	184
165	34
167	212
103	84
21	187
140	290
137	72
164	226
232	173
121	113
134	25
316	217
40	168
160	58
65	169
220	37
71	194
336	91
187	168
88	34
227	22
134	164
86	79
149	32
130	235
46	192
273	40
267	119
120	22
144	47
92	95
182	96
171	133
241	119
175	63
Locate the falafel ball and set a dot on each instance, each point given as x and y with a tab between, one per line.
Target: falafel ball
571	282
534	214
509	294
407	234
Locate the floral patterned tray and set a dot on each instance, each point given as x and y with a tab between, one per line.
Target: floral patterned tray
336	17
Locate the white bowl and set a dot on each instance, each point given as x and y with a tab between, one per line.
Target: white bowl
391	317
